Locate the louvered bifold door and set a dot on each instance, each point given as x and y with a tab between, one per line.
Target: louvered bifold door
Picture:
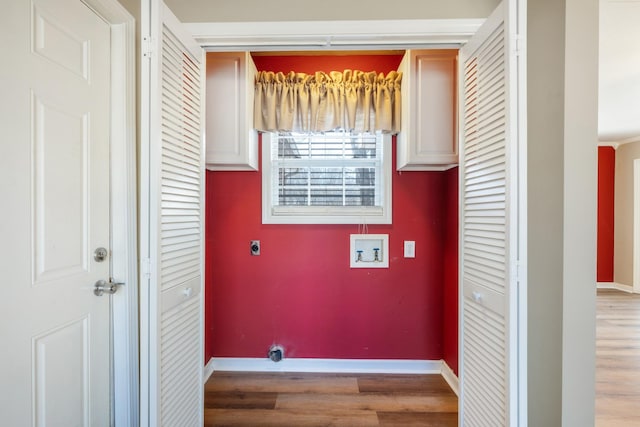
487	248
176	169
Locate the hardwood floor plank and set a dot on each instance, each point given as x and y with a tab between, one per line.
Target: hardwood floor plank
240	400
388	402
620	369
616	406
440	419
433	384
285	418
280	382
622	341
617	421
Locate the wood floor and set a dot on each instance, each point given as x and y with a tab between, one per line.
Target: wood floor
617	359
285	399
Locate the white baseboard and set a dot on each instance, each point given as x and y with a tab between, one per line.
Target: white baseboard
207	370
369	366
450	377
614	285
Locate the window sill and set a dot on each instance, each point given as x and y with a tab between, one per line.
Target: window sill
325	215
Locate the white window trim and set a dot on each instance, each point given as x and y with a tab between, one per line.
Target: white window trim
321	214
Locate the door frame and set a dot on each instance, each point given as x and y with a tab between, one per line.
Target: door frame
123	202
321	36
399	34
334	35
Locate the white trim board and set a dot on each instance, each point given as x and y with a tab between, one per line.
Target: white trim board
635	286
124	256
616	144
332	35
351	366
207	371
615	285
450	377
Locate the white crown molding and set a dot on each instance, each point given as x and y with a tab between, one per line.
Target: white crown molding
616	144
630	140
332	35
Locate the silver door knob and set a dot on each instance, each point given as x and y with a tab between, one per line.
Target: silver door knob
103	287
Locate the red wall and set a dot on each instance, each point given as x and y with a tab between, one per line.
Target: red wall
606	189
301	293
450	304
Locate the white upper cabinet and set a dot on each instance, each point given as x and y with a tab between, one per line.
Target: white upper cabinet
428	137
231	141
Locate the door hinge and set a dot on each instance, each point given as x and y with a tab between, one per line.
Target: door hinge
518	41
519	271
145	268
147	47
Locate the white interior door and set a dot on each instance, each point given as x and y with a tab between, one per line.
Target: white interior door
172	244
54	176
491	375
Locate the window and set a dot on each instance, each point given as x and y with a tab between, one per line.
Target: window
326	178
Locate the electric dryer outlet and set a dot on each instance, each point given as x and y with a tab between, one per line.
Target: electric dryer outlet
255	247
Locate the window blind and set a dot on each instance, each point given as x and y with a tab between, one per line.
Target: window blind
327	169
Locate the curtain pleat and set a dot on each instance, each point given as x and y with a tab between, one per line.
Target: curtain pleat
351	100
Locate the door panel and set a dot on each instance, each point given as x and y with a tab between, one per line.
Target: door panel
55	184
60	230
61	375
489	226
174	152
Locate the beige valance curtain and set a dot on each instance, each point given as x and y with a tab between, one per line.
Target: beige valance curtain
350	100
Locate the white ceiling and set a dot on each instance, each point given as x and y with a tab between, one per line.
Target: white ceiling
619	92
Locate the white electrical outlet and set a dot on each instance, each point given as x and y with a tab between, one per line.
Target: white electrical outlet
409	249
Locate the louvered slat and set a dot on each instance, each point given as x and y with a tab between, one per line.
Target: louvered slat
180	155
484	237
179	378
484	156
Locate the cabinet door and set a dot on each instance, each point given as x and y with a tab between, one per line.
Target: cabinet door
428	139
231	141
